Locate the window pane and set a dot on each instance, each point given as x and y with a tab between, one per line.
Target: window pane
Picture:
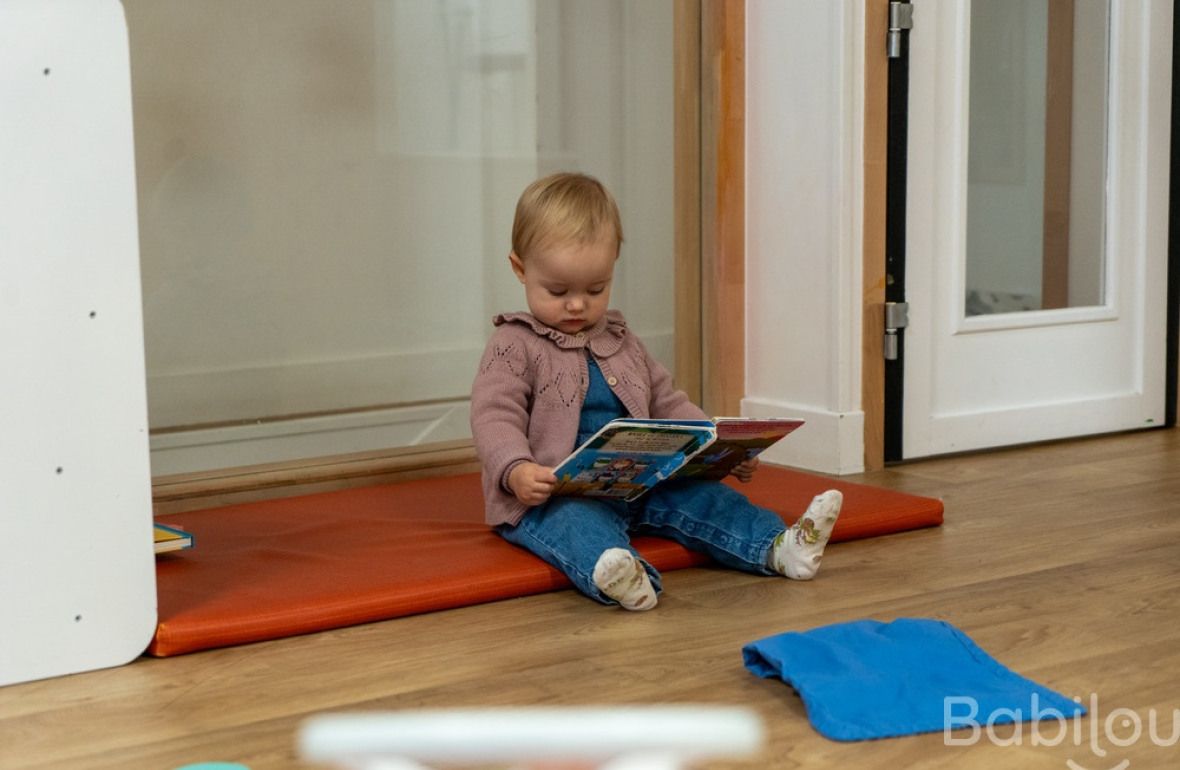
1037	155
326	193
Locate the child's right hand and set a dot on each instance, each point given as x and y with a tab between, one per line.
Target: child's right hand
531	483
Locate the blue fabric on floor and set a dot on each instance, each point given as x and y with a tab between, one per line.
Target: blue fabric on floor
868	679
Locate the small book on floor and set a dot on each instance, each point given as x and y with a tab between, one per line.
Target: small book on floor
630	456
171	538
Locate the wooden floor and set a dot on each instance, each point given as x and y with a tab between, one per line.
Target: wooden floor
1062	561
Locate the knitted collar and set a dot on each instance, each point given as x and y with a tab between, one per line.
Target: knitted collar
604	338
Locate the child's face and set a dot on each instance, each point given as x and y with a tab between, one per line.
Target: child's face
567	285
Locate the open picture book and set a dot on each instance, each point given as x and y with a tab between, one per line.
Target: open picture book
630	456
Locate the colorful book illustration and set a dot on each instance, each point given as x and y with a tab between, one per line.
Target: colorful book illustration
171	538
629	456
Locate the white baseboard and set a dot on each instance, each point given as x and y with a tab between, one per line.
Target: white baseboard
829	442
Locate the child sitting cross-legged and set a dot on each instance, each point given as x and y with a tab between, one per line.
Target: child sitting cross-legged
551	378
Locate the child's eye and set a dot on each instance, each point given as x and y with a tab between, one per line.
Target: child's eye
594	292
557	292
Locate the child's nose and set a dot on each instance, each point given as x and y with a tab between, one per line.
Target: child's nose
575	302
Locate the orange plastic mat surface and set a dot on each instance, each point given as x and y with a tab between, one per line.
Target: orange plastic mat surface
284	567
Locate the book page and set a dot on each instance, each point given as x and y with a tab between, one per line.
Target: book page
738	439
648	441
624	460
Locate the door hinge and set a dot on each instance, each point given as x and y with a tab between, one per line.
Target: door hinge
901	19
897	316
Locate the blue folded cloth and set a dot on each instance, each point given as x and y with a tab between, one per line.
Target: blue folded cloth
868	679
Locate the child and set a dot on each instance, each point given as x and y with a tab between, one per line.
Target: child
550	378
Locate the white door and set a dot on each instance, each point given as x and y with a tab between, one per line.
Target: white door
1036	253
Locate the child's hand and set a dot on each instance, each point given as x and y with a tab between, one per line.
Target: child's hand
744	471
531	483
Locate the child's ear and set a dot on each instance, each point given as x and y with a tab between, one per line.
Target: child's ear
517	265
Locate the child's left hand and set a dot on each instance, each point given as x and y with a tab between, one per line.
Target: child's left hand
744	471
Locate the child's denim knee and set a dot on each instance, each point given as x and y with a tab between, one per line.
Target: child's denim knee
571	533
711	517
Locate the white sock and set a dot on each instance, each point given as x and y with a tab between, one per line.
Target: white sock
796	553
621	576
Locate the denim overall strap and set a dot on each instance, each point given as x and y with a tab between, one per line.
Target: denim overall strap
601	405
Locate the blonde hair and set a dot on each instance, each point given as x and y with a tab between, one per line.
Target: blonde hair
564	208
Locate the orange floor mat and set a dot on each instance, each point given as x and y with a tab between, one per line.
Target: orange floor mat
284	567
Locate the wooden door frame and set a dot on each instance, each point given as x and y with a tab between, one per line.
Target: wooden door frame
876	146
689	64
1058	140
710	202
723	206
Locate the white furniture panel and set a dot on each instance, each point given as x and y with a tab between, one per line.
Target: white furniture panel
77	572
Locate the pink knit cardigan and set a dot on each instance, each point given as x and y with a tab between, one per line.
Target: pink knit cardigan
528	395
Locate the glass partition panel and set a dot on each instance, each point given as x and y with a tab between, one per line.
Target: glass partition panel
1037	155
326	193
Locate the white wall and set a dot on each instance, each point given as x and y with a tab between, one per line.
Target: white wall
804	193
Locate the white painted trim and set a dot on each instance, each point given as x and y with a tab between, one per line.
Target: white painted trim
1034	318
804	229
829	442
848	266
279	441
965	431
